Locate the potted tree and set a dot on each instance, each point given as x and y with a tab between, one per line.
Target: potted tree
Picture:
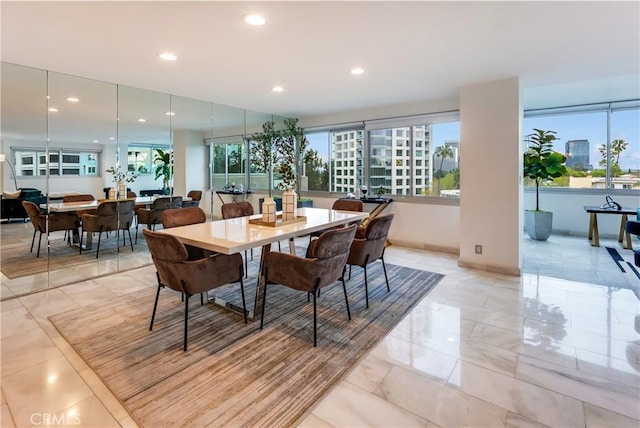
164	168
541	164
262	154
291	154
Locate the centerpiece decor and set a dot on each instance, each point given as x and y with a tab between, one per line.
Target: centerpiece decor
289	202
269	210
120	178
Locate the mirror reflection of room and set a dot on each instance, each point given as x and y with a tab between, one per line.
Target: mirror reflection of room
69	144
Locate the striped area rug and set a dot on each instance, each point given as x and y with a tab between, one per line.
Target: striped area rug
233	374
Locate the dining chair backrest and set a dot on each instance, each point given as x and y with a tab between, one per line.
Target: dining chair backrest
182	217
36	217
371	247
166	203
125	213
78	198
195	195
347	205
237	209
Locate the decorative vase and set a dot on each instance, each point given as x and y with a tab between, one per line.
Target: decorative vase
122	190
112	193
269	210
289	198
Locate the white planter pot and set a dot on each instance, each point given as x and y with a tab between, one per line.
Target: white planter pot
538	224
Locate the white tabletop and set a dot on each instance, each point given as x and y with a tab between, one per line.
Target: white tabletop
237	234
59	207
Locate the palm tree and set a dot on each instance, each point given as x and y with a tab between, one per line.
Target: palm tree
442	152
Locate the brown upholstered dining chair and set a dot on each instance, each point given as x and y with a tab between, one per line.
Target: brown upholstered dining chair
190	277
152	217
234	210
341	205
370	248
323	266
196	196
57	222
182	217
110	216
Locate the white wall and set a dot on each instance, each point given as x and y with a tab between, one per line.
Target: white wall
190	162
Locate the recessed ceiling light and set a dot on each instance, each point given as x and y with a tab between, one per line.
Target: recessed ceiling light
72	99
168	56
357	70
111	138
142	119
53	109
96	141
277	89
170	113
254	19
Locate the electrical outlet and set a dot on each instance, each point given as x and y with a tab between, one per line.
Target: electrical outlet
478	249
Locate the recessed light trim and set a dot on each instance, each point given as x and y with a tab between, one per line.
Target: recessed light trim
357	70
73	99
277	89
170	113
53	109
168	56
142	119
254	19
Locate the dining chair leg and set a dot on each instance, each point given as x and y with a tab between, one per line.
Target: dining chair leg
99	238
349	271
39	242
33	240
315	321
244	304
366	285
384	268
130	241
155	304
80	240
246	265
264	300
346	299
186	319
137	224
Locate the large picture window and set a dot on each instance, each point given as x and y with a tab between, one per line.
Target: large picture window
32	162
228	159
419	158
601	143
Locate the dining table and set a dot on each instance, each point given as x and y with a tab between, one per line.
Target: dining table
67	207
235	235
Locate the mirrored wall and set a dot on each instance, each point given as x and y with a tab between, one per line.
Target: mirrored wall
61	134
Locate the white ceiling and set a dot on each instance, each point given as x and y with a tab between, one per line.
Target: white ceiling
564	52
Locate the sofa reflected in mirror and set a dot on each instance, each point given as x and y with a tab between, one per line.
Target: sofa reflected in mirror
11	203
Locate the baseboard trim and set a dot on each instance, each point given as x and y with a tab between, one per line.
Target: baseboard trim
490	268
438	248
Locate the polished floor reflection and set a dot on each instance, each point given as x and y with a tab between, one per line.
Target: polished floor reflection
558	346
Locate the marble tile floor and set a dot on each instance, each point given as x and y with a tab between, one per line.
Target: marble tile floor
481	350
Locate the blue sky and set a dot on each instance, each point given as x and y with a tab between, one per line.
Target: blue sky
625	125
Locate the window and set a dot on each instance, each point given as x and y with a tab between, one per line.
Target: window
316	165
227	160
140	157
30	162
438	175
584	138
351	151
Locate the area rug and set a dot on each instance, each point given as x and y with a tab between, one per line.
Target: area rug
234	374
17	261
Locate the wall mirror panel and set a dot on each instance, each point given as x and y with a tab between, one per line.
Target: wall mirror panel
227	155
23	128
82	135
68	136
191	123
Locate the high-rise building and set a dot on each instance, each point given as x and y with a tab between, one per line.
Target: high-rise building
577	153
400	158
